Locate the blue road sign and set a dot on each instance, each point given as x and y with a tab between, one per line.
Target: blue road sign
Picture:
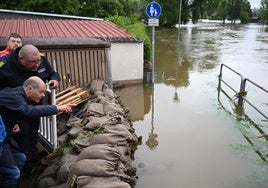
153	10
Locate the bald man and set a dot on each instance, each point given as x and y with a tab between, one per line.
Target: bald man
22	100
23	63
19	105
16	107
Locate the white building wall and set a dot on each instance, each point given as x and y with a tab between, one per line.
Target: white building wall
127	61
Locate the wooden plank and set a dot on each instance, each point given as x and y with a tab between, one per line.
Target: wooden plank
81	97
70	88
69	94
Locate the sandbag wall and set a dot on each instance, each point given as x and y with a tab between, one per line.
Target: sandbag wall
97	146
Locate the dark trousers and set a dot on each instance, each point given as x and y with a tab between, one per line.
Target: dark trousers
11	163
28	136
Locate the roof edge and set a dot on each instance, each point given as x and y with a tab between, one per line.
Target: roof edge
63	43
50	15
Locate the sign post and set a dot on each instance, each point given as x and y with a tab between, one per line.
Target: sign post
153	11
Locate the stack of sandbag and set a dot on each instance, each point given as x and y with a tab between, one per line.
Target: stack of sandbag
97	147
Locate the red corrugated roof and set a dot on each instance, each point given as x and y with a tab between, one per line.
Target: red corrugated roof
43	28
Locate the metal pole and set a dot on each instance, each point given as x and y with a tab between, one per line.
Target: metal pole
180	15
109	78
54	121
153	43
54	117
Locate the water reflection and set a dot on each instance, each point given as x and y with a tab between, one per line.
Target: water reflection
152	142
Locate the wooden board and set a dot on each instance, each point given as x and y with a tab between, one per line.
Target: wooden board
72	94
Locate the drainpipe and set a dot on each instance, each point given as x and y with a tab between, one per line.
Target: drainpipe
108	67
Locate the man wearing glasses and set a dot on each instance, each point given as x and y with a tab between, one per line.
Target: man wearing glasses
16	68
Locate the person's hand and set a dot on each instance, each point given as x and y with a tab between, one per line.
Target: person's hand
67	108
54	84
16	129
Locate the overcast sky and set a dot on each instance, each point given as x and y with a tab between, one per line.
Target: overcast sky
255	3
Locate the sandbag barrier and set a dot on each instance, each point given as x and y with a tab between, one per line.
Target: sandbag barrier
97	145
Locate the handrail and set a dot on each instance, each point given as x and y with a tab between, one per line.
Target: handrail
243	82
239	109
48	124
260	87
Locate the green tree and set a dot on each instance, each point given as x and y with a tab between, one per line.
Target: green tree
170	12
246	12
11	4
211	8
101	8
264	11
222	10
47	6
197	10
72	7
256	12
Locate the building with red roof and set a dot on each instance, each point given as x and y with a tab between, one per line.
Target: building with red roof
80	48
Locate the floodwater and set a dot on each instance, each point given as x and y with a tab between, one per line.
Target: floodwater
193	135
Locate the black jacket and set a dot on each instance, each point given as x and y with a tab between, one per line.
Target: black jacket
13	74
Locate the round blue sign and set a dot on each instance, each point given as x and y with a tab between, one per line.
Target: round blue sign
153	10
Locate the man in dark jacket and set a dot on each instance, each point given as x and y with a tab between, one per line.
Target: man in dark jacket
17	67
15	107
21	100
23	63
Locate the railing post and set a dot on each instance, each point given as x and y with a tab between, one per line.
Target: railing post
220	76
54	121
242	90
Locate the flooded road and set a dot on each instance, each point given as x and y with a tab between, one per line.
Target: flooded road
192	135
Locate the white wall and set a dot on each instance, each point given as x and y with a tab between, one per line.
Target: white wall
127	61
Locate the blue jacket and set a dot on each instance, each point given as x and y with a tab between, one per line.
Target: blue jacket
2	131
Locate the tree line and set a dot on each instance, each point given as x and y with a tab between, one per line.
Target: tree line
129	13
171	9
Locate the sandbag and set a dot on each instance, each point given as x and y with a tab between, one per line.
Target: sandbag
62	173
101	182
100	151
46	182
120	129
107	92
96	122
109	138
97	167
110	107
96	85
95	109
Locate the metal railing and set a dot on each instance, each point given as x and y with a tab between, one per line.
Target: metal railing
242	93
239	109
48	124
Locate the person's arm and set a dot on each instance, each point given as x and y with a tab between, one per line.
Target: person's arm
36	110
14	99
53	77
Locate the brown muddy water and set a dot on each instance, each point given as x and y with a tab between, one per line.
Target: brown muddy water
192	135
